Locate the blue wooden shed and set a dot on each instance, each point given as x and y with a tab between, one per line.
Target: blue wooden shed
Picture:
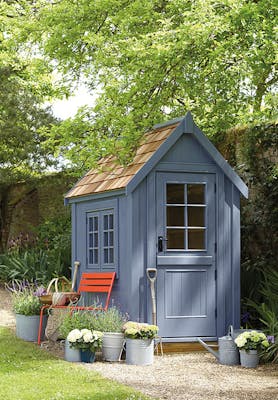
175	208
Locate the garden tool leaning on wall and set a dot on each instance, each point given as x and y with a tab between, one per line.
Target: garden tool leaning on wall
152	275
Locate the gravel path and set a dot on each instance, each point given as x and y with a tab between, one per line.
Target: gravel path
189	376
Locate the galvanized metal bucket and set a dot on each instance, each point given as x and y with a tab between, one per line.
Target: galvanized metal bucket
139	351
249	359
112	346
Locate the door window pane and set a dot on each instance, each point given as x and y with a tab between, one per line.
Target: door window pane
196	216
175	193
175	239
186	216
196	239
195	193
175	216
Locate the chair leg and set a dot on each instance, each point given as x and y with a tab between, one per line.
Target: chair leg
40	324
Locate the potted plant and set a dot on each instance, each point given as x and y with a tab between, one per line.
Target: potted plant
27	306
77	320
111	323
249	343
139	342
86	341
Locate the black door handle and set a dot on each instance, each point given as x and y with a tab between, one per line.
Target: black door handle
160	244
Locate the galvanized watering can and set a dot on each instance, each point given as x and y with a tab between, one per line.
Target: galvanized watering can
227	350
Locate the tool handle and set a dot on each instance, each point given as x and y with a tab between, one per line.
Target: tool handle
153	272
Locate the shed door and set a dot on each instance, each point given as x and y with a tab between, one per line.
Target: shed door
186	289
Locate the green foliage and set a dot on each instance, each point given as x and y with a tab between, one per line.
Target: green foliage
54	237
78	320
30	264
25	84
260	212
41	256
111	320
28	373
268	311
26	303
154	60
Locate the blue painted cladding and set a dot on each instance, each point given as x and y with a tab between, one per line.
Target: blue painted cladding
232	255
188	150
139	252
137	235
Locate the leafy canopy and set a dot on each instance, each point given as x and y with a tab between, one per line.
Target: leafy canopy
25	84
152	60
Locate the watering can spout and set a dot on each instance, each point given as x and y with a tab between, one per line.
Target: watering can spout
214	353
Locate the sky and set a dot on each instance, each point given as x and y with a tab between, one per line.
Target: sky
67	108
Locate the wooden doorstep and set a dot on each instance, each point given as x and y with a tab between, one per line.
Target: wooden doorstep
182	347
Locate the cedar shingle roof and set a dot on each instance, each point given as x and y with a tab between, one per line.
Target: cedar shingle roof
111	176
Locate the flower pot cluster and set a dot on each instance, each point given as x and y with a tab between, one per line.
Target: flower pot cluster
249	344
113	332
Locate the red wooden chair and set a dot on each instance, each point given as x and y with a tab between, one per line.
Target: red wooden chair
90	282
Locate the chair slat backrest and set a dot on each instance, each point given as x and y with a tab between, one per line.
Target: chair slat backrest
97	282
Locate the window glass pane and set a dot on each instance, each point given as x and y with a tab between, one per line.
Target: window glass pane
175	239
105	222
111	221
105	238
175	216
91	257
91	225
91	242
195	194
105	256
95	223
196	216
111	256
95	239
95	256
111	238
175	193
196	239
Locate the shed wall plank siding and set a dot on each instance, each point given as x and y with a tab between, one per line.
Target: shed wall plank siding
178	151
187	148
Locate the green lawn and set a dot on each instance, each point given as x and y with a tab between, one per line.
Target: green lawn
29	373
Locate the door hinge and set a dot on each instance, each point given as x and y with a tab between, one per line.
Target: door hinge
215	188
215	274
215	247
215	313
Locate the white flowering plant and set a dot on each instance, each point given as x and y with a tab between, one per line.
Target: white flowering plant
252	340
137	330
85	339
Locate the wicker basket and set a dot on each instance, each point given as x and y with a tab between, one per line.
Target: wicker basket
57	298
